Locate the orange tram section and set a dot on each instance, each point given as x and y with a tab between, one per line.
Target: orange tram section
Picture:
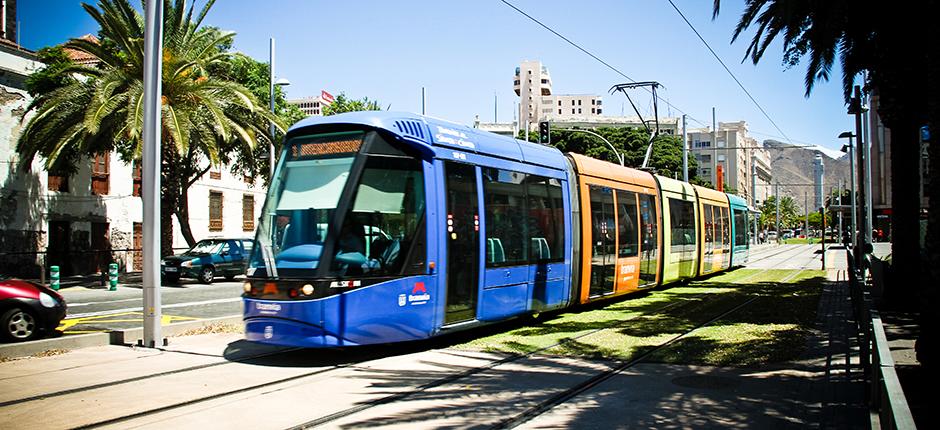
638	230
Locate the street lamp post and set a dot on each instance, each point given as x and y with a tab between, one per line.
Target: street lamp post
849	148
272	83
612	148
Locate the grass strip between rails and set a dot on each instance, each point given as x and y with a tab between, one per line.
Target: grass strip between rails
771	329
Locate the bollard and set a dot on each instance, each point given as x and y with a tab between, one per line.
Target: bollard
54	277
113	276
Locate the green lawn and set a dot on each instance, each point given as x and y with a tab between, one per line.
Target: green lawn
773	328
801	241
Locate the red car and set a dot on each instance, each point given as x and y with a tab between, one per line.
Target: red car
28	311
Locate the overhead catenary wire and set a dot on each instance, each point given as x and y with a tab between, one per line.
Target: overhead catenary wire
759	107
592	55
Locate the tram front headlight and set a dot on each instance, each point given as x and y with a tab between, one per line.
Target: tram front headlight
247	287
307	289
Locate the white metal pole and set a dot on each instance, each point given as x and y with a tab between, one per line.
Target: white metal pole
777	205
150	174
685	152
424	102
272	129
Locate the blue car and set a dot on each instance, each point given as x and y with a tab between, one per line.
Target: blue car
207	259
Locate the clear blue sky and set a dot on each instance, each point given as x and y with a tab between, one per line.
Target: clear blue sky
465	52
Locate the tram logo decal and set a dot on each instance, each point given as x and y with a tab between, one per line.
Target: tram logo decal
419	295
268	308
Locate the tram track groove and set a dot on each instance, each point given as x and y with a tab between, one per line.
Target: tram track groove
476	370
587	384
139	378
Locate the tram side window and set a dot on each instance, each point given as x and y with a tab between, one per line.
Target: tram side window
546	219
385	220
709	222
740	228
627	236
507	223
681	225
725	230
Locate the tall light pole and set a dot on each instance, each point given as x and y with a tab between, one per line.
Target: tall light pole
849	148
685	152
272	83
150	173
864	237
610	145
777	204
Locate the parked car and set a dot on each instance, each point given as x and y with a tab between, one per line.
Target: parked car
28	311
771	235
207	259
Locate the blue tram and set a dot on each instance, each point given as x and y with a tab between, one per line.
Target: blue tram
385	227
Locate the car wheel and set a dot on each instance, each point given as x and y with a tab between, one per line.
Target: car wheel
207	274
18	325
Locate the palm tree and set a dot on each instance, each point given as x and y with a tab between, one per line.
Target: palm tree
204	116
885	41
895	44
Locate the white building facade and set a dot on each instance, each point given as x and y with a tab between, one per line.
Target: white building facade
745	165
83	221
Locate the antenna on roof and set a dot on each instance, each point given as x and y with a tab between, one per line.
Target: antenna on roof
653	85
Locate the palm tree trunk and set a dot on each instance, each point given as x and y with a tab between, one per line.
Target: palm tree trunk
927	341
182	215
169	198
905	216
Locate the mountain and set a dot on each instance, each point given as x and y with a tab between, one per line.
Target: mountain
792	168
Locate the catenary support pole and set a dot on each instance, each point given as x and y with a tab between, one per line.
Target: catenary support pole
272	129
424	102
685	152
777	205
860	160
150	174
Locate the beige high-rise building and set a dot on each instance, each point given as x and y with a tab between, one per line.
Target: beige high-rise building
531	83
739	155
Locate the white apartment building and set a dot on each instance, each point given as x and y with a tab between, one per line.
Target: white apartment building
313	106
571	107
745	164
65	221
532	82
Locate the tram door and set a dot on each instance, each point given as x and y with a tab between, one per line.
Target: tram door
603	242
463	242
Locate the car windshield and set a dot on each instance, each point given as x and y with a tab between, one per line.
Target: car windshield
299	225
206	247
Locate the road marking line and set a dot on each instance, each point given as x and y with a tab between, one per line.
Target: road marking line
73	305
140	308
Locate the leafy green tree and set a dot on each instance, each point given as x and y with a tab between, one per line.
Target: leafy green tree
666	158
203	116
53	75
254	75
343	104
790	214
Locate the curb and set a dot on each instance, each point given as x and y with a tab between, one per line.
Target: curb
114	337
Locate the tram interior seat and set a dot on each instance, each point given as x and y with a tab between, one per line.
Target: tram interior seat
540	249
494	251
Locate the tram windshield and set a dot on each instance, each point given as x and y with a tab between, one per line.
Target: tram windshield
335	211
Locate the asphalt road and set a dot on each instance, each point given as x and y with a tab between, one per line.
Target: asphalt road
93	310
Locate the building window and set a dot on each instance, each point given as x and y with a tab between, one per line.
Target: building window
593	110
100	174
598	102
215	211
572	103
579	102
215	172
592	101
579	110
572	111
138	180
599	110
58	183
559	111
559	104
248	212
705	158
721	157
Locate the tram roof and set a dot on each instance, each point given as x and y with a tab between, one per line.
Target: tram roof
437	137
714	196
